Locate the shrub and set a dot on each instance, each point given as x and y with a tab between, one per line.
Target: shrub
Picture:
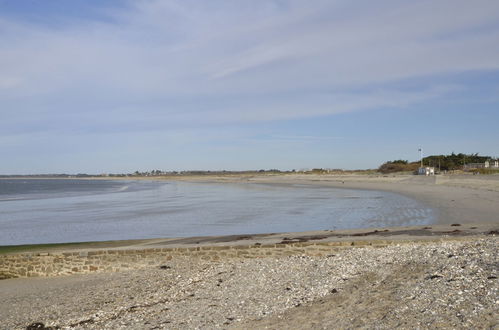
398	166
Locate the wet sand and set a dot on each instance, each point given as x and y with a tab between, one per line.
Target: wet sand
456	198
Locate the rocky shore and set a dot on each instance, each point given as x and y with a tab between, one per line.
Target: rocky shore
450	284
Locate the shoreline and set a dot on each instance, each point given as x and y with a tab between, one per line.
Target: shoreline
455	198
464	202
442	275
346	237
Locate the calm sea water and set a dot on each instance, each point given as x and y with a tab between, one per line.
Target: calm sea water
65	210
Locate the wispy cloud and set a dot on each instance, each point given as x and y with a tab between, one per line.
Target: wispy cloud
156	65
160	48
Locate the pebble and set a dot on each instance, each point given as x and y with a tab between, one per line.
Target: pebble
196	294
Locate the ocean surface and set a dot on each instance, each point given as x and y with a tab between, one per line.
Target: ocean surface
66	210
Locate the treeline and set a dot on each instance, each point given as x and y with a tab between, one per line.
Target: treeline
453	161
440	162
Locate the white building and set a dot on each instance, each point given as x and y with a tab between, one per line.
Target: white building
426	171
492	163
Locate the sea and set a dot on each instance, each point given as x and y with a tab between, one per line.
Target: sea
35	211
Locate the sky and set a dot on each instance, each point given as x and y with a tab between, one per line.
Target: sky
108	86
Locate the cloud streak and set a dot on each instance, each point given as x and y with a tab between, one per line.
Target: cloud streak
167	65
178	48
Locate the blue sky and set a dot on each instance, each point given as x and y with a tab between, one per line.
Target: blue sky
118	86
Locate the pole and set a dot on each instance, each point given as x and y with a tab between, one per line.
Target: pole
421	155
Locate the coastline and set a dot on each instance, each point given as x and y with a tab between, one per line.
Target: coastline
456	198
442	275
459	198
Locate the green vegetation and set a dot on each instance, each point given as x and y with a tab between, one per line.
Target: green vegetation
440	162
453	161
398	166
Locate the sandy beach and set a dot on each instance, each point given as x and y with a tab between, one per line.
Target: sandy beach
416	282
456	198
281	164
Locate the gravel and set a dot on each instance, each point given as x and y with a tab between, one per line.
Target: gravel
448	285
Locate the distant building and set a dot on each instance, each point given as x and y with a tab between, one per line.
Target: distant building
491	163
472	166
426	170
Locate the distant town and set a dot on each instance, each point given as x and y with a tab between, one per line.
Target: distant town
435	164
157	173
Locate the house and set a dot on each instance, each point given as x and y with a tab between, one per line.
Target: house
473	166
426	170
490	163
